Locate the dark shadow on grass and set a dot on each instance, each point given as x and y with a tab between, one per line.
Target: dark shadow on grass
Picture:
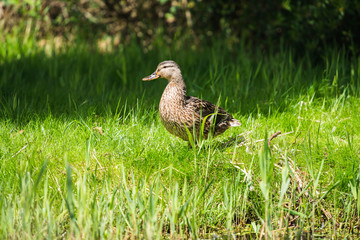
220	144
83	81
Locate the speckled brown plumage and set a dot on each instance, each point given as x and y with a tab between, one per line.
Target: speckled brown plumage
178	111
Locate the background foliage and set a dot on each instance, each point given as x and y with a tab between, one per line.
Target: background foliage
307	25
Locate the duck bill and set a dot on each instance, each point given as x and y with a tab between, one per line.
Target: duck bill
151	77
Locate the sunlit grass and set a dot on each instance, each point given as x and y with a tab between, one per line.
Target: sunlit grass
83	153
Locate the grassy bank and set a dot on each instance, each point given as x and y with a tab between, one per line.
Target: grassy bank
83	153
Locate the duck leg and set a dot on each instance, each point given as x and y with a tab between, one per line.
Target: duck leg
190	147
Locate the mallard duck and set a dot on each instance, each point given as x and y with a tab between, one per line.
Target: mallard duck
180	113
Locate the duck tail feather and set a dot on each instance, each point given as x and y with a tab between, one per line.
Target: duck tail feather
234	123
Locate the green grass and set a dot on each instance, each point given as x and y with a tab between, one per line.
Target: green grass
63	178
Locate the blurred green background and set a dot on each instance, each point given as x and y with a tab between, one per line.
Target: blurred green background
309	25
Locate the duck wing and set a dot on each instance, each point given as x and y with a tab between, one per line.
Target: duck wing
204	108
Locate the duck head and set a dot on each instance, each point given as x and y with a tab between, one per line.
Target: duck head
167	69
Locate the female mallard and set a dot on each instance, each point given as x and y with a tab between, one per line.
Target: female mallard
179	112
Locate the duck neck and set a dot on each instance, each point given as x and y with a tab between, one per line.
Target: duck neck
175	91
178	81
